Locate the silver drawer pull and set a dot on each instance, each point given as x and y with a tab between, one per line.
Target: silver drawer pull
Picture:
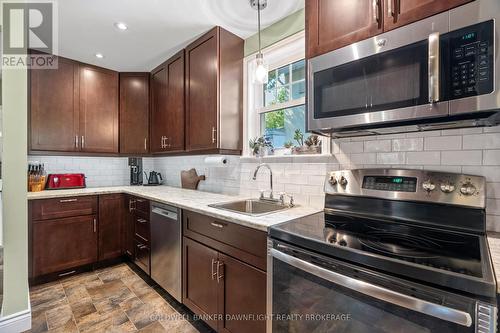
217	225
67	273
67	200
142	220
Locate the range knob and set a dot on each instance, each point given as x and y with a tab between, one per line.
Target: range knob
468	189
332	180
343	181
428	186
447	187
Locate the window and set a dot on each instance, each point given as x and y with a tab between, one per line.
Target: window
277	109
286	85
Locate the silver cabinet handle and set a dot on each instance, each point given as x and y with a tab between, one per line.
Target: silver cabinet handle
68	200
433	62
145	144
220	265
83	141
95	225
162	142
214	131
142	221
131	205
67	273
76	141
378	292
214	274
217	225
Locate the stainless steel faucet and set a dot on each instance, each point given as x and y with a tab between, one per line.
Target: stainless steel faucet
270	179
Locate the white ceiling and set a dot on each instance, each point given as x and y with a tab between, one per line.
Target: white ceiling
156	28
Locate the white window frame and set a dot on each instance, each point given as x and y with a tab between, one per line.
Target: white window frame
285	52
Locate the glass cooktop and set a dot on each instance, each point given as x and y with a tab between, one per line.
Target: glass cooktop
447	251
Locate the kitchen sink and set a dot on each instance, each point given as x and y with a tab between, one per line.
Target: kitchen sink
253	207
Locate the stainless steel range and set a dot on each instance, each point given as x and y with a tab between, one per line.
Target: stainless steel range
394	251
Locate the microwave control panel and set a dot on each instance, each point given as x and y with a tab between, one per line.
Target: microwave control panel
472	60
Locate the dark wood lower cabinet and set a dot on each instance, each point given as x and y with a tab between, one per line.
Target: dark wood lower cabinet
242	293
226	289
128	226
110	226
63	244
200	282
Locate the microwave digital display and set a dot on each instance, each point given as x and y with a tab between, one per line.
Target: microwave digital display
471	36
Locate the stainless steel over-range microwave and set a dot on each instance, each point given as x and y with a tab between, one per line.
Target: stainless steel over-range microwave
440	72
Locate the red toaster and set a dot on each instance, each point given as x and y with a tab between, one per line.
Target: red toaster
58	181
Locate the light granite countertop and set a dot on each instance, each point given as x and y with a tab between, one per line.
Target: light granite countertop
494	246
196	201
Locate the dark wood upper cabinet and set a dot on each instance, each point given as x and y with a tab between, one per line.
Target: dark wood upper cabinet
54	118
333	24
134	113
98	110
168	111
110	226
214	92
402	12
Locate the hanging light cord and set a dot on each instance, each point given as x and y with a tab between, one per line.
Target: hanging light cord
258	20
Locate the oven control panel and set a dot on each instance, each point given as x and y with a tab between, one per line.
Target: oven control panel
472	60
409	185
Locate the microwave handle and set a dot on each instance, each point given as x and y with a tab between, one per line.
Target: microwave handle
433	62
378	292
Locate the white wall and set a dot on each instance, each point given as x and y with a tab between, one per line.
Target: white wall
474	151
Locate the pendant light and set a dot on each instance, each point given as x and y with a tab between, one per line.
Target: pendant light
260	75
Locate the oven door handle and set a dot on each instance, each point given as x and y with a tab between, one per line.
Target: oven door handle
387	295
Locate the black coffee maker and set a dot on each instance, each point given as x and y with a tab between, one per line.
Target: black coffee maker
135	164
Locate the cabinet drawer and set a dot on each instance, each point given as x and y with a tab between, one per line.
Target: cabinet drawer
142	228
142	207
142	255
47	209
243	238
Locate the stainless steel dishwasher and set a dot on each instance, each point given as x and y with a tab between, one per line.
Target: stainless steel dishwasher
166	248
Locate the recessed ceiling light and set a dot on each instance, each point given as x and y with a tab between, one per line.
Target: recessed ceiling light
99	55
121	26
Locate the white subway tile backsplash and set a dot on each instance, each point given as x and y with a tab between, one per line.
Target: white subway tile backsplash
425	157
468	151
443	143
462	157
412	144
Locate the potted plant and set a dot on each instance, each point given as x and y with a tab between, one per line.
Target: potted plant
288	145
261	146
312	145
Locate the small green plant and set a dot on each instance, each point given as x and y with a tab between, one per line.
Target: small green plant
313	140
288	144
299	137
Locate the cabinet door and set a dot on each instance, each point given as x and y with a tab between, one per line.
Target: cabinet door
158	108
110	226
54	107
175	103
64	243
98	110
128	226
333	24
200	284
242	291
134	113
402	12
201	92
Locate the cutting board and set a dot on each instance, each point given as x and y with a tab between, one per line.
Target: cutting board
190	179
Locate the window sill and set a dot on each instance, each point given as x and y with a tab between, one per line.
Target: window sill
306	158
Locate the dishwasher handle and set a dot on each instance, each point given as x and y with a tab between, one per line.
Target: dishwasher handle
165	213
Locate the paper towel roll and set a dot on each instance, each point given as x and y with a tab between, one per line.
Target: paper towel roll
216	161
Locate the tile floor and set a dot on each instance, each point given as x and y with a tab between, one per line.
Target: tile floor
113	299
